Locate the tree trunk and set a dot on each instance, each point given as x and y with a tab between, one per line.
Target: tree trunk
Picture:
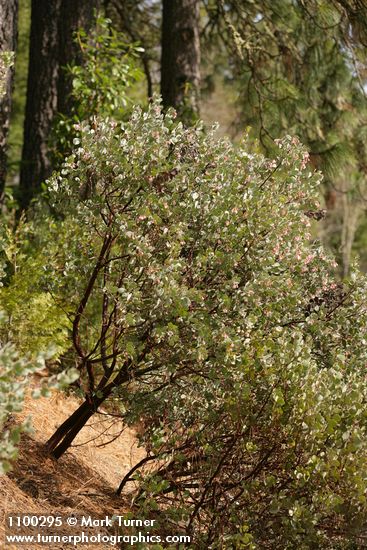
65	434
8	42
41	104
180	63
68	437
52	48
75	14
62	430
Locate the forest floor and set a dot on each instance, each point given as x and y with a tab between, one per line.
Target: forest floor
82	482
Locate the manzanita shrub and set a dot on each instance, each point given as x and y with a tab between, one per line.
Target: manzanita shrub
201	307
16	372
14	378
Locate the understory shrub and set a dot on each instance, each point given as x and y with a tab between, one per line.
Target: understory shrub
200	306
14	378
16	373
100	84
35	320
32	325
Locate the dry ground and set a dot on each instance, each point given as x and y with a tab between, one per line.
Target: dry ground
82	481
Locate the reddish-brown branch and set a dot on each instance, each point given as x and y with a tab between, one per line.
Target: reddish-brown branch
83	302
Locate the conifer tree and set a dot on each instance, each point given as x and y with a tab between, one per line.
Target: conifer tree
52	48
8	40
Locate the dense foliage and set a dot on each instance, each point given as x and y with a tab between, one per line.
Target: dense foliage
100	85
33	321
201	307
16	375
299	68
174	276
14	378
29	323
295	68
